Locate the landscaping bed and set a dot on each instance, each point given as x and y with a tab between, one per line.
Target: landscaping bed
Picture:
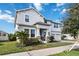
11	47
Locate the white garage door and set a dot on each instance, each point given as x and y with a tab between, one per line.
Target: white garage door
57	37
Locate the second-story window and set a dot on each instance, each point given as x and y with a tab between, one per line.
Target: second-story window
55	25
26	18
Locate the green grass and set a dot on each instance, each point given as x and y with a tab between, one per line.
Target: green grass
11	47
74	52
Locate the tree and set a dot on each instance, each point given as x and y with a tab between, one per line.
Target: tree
12	37
71	24
22	36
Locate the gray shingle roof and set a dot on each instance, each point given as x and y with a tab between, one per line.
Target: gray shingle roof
41	23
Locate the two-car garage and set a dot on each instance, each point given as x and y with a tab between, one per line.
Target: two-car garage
56	35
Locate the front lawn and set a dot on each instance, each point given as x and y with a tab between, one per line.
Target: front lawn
11	47
66	53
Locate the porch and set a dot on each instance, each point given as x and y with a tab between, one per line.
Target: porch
42	30
38	30
42	34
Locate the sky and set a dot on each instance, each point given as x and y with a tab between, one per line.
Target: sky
51	11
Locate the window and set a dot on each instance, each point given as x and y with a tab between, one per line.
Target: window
61	26
55	25
32	33
53	34
27	32
57	34
49	33
26	18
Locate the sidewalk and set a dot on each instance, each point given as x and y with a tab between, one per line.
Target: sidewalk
41	52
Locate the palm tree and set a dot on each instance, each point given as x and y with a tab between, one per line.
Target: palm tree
22	36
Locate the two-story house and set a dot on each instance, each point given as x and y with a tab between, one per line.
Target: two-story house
31	21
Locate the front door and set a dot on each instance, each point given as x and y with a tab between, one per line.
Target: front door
43	34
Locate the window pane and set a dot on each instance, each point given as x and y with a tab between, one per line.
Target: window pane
26	18
32	33
27	31
55	25
49	33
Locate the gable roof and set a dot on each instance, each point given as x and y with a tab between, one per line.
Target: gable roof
52	21
2	32
36	12
29	9
26	25
41	23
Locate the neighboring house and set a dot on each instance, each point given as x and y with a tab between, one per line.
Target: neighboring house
68	37
3	36
31	21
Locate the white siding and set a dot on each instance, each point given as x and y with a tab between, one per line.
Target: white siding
57	35
48	22
56	32
4	38
56	29
21	28
43	26
34	17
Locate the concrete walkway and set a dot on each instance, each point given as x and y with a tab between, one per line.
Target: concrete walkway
42	52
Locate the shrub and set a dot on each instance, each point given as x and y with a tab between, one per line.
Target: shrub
12	37
32	41
24	40
51	38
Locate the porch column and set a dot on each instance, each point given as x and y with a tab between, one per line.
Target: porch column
38	32
46	35
35	33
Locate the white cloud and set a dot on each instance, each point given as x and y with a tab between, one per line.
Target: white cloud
6	17
38	6
63	11
56	9
46	3
58	20
59	4
8	11
0	11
